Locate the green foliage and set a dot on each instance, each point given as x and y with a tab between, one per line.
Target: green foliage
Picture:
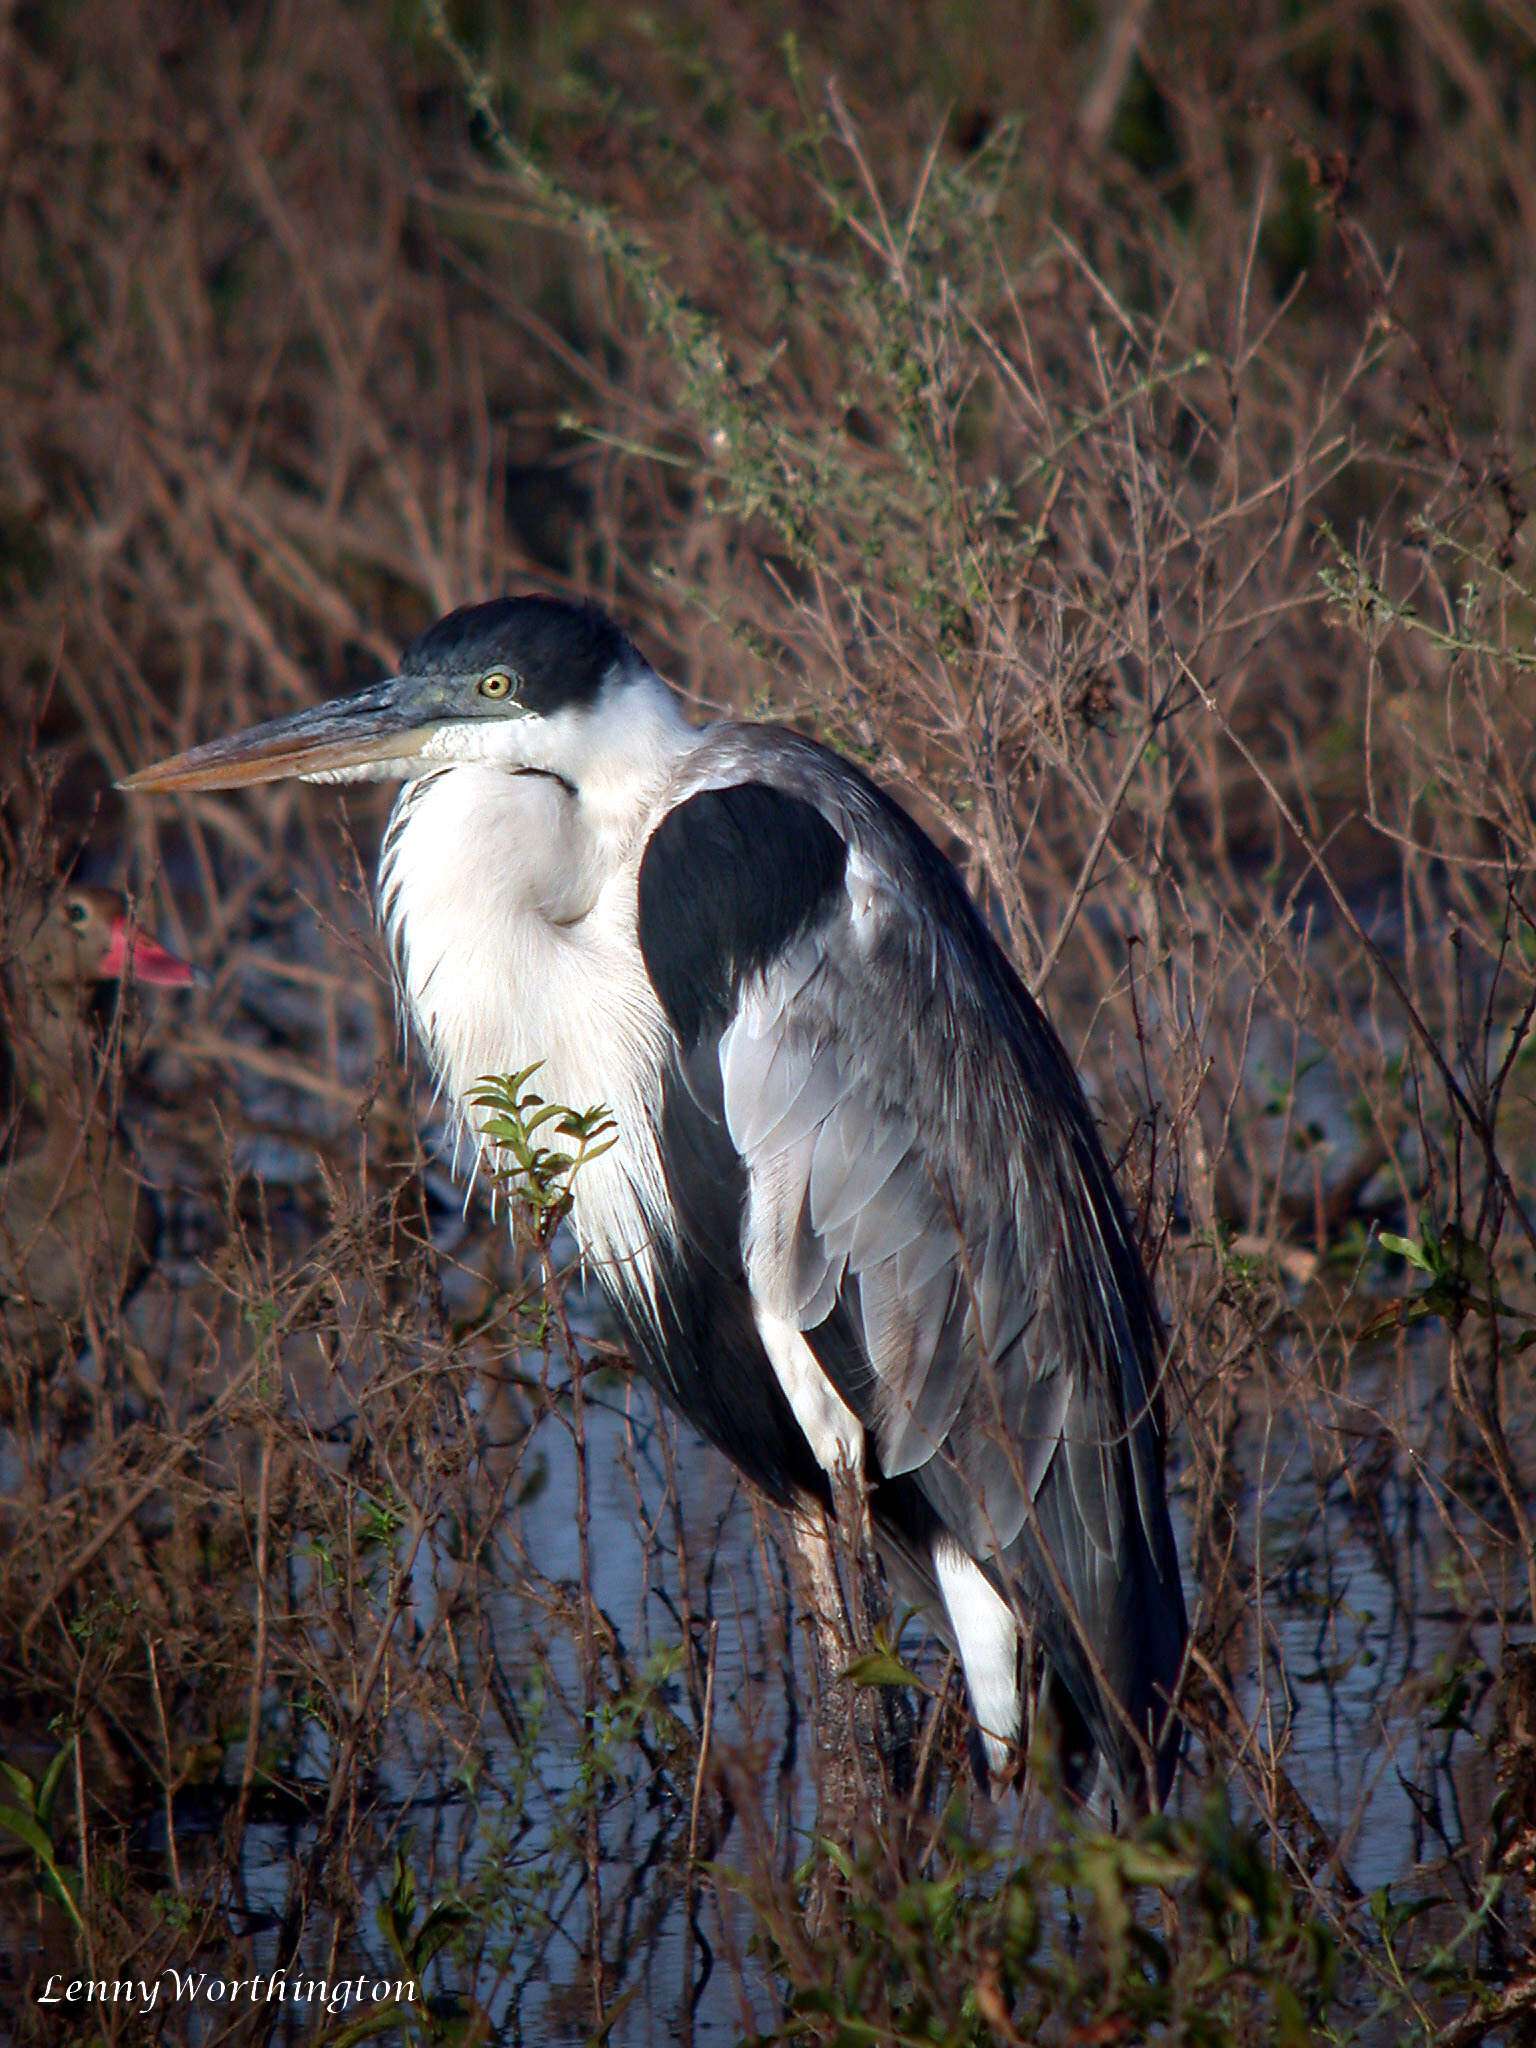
415	1942
1460	1281
1361	599
637	1715
414	1939
880	1666
540	1179
381	1522
1181	1932
28	1815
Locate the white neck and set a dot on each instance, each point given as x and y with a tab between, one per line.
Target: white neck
509	901
619	758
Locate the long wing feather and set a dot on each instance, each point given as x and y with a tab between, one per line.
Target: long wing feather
927	1200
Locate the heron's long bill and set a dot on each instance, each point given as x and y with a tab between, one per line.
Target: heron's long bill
382	723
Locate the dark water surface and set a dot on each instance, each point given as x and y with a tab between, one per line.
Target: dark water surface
1372	1569
1362	1622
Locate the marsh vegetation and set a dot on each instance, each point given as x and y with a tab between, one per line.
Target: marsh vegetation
1116	434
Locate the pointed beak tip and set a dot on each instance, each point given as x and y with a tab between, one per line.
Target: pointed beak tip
153	776
182	774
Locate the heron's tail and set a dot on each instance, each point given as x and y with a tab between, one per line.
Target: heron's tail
1116	1646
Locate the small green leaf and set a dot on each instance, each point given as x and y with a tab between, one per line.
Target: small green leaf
18	1781
1405	1248
439	1927
26	1829
47	1791
880	1667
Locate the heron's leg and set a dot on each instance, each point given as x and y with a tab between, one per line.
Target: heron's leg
829	1649
821	1590
883	1715
863	1733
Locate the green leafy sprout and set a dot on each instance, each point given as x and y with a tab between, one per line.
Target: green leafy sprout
537	1177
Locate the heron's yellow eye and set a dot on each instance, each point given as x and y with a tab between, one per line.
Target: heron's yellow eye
497	684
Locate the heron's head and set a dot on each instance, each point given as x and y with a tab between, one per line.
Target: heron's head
525	683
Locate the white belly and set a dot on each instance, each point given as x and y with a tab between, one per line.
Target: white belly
474	865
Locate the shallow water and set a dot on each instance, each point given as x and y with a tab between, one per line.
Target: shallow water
1368	1578
1338	1700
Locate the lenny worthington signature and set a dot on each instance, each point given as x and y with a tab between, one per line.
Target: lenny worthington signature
276	1987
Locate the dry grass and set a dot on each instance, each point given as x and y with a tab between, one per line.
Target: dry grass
1113	431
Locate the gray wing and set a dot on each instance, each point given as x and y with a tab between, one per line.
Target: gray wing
896	1178
924	1196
